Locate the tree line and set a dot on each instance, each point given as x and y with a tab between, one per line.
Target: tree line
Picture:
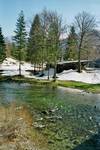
44	44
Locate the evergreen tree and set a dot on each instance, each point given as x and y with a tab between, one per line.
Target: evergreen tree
54	33
72	45
2	47
20	39
35	42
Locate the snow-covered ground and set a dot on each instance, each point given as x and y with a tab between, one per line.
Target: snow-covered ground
87	77
10	67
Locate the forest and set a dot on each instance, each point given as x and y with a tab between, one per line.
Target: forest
46	39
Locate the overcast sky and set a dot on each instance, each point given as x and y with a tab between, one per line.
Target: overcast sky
9	10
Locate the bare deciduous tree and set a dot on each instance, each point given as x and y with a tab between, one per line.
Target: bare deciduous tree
84	23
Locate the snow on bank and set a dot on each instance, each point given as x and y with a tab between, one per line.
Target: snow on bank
12	64
87	77
10	67
92	77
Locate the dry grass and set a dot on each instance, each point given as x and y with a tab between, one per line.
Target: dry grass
16	130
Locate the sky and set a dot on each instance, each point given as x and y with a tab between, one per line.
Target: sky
9	10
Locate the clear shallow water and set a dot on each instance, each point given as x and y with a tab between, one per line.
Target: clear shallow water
29	93
68	118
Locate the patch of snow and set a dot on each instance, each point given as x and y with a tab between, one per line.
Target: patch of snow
73	75
10	67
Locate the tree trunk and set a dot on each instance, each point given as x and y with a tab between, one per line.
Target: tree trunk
20	62
42	67
79	53
34	71
55	70
79	61
19	68
48	71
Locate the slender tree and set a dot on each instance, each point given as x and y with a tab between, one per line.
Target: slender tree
85	24
46	44
2	47
20	39
52	29
35	42
55	30
72	44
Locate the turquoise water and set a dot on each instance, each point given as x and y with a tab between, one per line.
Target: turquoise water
67	119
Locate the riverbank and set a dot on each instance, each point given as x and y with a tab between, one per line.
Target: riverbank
94	88
16	130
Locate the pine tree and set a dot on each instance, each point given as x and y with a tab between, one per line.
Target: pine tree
72	45
2	47
20	39
35	45
54	35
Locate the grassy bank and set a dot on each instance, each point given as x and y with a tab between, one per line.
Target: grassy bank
23	79
94	88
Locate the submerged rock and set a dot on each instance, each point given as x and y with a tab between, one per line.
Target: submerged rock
38	126
45	112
